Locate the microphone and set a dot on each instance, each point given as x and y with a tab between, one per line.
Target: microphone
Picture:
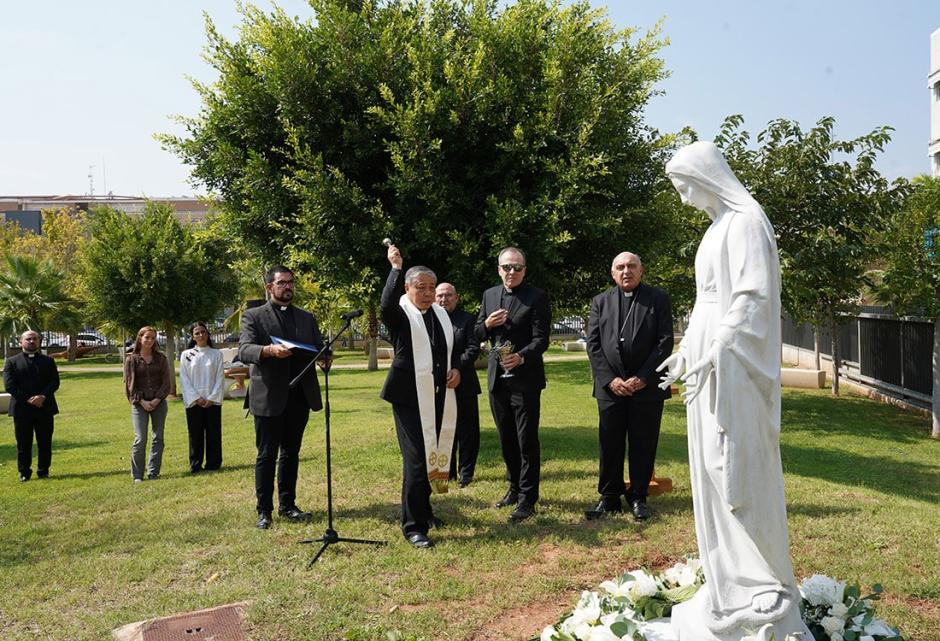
356	313
387	242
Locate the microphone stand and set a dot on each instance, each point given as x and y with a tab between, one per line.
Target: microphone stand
330	536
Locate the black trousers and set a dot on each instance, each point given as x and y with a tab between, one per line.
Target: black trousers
631	427
416	511
205	436
516	414
24	428
278	439
463	461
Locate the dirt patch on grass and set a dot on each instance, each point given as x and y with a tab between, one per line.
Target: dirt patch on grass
525	622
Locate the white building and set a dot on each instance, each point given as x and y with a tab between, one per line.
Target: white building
933	83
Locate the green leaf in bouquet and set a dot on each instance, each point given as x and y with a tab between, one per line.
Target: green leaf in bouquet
850	635
852	591
622	628
680	594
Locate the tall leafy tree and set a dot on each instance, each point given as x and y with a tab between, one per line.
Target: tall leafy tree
32	296
827	202
153	270
64	232
911	277
453	127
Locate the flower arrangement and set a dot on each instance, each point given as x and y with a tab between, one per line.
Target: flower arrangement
622	604
832	610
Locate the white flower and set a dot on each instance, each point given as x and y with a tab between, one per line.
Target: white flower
616	588
877	627
642	585
832	624
835	636
839	610
601	633
674	574
866	637
585	614
548	633
822	590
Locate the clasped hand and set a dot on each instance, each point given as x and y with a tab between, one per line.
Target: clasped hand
694	377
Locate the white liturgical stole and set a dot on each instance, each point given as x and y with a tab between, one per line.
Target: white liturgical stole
437	448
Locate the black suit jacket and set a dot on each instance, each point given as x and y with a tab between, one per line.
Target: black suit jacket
271	377
467	347
527	329
400	383
21	385
649	341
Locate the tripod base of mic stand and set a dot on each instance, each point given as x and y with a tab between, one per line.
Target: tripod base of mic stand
329	538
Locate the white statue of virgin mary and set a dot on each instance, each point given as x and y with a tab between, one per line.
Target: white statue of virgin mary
732	348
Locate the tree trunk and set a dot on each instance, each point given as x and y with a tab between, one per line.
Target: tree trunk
816	347
72	347
170	332
373	339
836	360
935	401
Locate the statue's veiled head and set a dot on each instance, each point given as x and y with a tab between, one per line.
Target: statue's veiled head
704	180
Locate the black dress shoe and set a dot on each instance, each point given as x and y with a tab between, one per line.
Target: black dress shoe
264	520
465	482
522	512
295	514
420	540
42	475
511	498
604	507
641	511
436	522
23	478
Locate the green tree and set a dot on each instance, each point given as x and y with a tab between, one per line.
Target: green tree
827	203
453	127
152	270
64	232
32	297
910	281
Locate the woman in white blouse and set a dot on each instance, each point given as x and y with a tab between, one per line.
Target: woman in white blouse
202	380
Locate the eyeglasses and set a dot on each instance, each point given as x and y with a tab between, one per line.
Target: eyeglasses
512	267
283	283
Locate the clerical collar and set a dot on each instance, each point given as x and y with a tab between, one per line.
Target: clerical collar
30	354
283	308
628	294
507	291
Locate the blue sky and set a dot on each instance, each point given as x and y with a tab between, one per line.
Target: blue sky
89	83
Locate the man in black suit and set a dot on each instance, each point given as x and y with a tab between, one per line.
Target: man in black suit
31	379
517	313
420	387
629	335
467	440
280	412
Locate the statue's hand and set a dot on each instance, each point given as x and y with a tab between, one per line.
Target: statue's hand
676	365
694	378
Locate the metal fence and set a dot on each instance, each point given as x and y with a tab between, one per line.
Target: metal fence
893	355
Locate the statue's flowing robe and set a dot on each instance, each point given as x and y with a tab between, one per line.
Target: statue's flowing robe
734	422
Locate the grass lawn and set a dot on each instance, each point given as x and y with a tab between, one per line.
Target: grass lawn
86	550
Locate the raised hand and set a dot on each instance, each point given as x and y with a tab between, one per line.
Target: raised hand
394	257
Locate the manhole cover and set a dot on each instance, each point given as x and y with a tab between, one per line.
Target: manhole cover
216	624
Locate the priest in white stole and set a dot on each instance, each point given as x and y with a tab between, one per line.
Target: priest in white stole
420	386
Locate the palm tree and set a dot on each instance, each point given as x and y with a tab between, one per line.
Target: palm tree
32	297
